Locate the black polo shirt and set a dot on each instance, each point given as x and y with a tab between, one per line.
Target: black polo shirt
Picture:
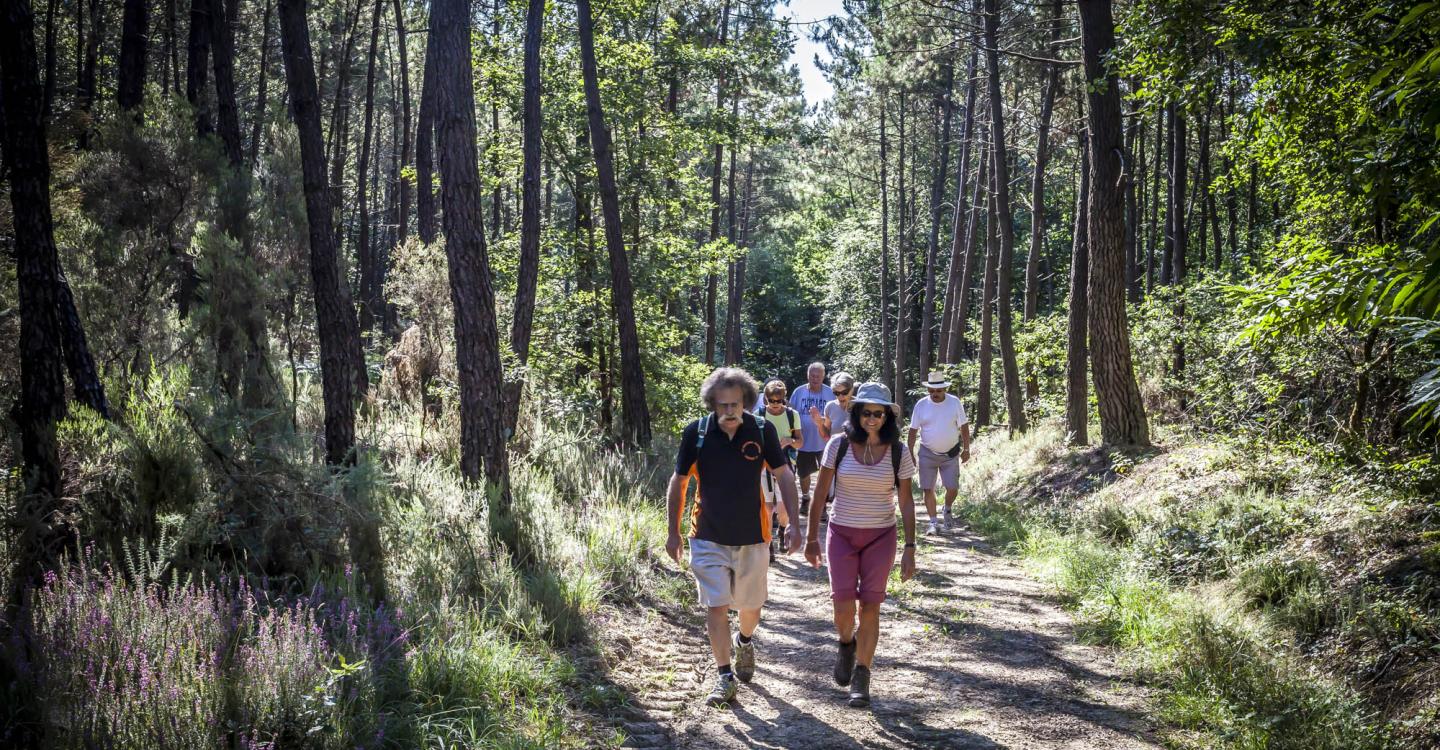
729	505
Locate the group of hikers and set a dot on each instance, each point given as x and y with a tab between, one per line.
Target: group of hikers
755	465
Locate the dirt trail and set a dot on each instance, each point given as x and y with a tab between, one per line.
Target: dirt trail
972	655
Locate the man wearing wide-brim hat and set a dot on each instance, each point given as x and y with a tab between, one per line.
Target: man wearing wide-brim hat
940	423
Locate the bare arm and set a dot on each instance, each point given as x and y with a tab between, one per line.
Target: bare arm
675	496
910	439
788	495
907	519
817	507
965	441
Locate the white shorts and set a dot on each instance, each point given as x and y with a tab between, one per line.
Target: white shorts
731	576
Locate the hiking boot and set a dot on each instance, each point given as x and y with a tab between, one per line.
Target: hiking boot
949	519
743	662
860	687
724	691
845	663
932	529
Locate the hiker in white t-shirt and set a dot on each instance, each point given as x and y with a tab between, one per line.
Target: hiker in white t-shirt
939	421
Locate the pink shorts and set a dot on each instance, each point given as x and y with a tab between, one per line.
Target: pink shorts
859	561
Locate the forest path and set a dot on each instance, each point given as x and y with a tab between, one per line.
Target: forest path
973	654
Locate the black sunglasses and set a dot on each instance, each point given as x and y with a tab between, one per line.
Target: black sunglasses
872	414
775	400
842	393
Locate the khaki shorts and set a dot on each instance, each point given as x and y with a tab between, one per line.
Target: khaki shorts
932	463
727	576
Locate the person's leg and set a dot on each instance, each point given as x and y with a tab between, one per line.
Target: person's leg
845	620
717	626
875	561
926	471
950	477
749	620
930	503
869	633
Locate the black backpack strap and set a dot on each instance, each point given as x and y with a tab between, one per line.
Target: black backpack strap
700	435
840	454
790	417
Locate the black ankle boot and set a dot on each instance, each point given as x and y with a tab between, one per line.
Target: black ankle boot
860	687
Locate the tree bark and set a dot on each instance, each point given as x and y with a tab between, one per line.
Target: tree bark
529	264
425	208
717	161
902	314
1122	411
134	38
88	71
48	104
257	121
197	65
983	396
734	286
887	365
371	306
339	146
46	532
222	53
1132	209
335	320
407	136
943	102
1077	356
482	439
959	220
1014	398
632	376
978	213
1037	185
1175	212
1156	170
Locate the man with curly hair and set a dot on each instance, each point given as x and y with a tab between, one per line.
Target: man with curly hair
725	452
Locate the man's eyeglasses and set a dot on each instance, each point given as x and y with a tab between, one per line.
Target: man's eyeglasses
872	414
775	400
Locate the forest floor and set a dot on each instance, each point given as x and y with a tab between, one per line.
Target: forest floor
973	653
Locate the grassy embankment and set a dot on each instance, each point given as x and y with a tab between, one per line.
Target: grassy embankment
1280	600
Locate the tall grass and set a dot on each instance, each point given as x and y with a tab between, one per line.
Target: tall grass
1162	560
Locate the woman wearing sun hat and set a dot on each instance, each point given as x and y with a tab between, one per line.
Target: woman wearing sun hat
866	464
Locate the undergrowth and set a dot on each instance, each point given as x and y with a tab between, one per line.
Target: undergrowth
215	607
1279	601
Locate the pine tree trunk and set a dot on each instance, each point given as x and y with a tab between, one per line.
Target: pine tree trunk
262	93
1014	398
978	213
197	65
887	365
902	313
983	396
42	543
407	136
86	98
1122	411
717	161
959	220
733	288
339	145
1077	362
371	307
1132	211
632	376
1037	185
134	38
1179	169
1156	169
335	321
425	208
48	96
943	103
529	264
